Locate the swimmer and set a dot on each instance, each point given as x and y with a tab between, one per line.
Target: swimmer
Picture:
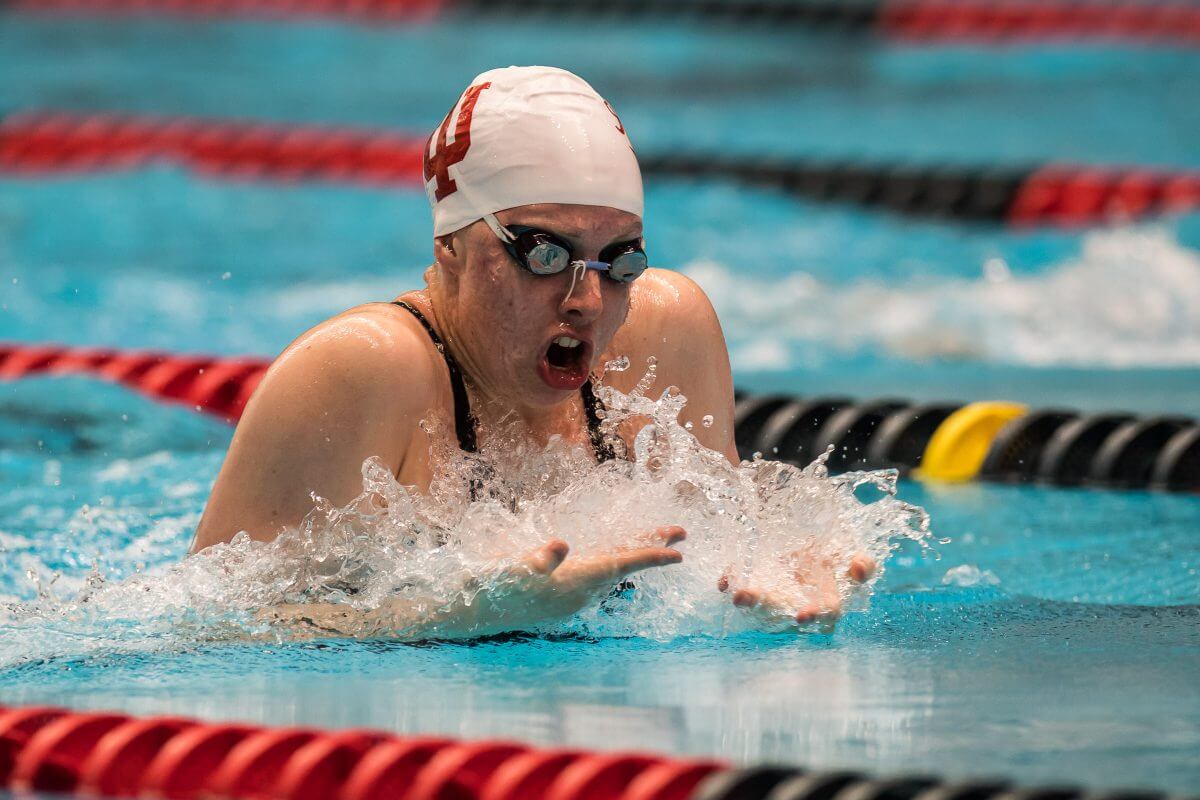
539	276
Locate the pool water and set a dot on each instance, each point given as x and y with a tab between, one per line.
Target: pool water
1056	637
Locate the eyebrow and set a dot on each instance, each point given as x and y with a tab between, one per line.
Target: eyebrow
573	234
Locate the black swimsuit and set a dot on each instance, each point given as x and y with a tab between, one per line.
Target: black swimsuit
465	422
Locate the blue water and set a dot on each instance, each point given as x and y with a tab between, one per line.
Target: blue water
1074	659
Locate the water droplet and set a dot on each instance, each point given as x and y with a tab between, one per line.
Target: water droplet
619	364
707	420
226	276
688	425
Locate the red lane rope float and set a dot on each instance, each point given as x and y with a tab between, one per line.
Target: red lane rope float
255	763
670	780
391	768
1071	197
529	774
48	143
118	760
17	727
115	755
220	386
941	20
599	777
52	758
53	143
186	762
319	769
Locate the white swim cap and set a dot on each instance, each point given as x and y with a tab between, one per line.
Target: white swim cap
522	135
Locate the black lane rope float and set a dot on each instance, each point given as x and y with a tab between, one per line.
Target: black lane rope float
61	142
991	441
988	441
980	21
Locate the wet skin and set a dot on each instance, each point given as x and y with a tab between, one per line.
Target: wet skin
359	384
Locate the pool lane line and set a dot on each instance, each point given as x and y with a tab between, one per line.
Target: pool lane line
48	143
218	386
366	12
944	442
981	22
99	754
990	441
57	142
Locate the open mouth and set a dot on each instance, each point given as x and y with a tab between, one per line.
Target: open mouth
564	365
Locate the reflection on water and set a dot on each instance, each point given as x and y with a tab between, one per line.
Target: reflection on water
956	682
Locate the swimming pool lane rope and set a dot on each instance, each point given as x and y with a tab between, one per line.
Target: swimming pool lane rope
51	143
98	754
949	442
976	21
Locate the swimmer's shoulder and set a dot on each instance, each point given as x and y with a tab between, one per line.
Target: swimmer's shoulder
669	316
671	320
351	388
373	357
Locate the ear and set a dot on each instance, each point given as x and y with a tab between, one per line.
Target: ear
446	254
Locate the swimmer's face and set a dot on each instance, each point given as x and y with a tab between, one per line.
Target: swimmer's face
512	321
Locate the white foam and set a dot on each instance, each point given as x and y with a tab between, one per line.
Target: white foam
1131	298
967	575
391	544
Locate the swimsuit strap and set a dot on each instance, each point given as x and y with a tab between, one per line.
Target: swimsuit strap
464	420
592	406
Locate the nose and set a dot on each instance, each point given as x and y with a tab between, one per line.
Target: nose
585	302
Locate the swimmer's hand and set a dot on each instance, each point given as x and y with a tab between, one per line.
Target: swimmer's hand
813	603
544	586
548	585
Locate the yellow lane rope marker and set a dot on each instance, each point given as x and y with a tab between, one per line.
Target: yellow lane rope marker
960	444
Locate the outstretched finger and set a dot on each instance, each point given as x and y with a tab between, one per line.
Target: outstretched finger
747	598
548	557
824	610
633	561
862	567
825	619
768	612
670	535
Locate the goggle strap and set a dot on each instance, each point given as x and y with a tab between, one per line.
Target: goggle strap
504	233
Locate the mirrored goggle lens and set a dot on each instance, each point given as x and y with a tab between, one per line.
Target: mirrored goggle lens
627	266
547	259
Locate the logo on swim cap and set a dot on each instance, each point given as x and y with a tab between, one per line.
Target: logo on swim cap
523	135
441	156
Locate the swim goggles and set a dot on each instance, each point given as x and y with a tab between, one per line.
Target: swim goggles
544	253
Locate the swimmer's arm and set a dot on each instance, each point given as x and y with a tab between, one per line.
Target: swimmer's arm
541	587
687	339
342	392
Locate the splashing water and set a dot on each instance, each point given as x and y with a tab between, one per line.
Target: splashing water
750	523
1131	298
